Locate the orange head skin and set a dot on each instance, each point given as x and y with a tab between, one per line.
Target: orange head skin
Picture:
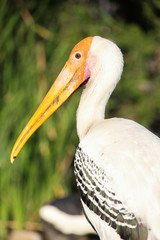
73	74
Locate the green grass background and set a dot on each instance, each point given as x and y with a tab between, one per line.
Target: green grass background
36	38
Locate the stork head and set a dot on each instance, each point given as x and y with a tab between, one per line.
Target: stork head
86	59
74	73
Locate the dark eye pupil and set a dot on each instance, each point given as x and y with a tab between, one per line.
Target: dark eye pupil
78	55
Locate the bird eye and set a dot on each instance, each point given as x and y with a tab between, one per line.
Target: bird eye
78	55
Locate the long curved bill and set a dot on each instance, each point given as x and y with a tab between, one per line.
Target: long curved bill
70	78
66	83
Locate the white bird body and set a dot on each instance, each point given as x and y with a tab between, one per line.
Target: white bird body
127	152
129	155
117	163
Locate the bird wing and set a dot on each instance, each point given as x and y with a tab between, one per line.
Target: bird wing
128	154
97	193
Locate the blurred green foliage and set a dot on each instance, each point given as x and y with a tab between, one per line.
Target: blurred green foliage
35	41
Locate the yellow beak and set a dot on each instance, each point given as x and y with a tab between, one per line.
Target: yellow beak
70	78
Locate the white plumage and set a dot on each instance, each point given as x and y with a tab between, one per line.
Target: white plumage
117	163
127	152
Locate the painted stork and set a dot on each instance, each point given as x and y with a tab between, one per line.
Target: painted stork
117	162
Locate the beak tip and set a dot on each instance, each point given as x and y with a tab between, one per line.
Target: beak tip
12	159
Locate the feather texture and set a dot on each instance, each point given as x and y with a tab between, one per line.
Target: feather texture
97	193
124	152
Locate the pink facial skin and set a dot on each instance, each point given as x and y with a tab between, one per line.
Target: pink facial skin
87	72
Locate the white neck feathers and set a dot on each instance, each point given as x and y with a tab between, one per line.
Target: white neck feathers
105	62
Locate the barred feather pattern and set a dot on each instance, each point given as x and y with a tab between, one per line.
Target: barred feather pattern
97	193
